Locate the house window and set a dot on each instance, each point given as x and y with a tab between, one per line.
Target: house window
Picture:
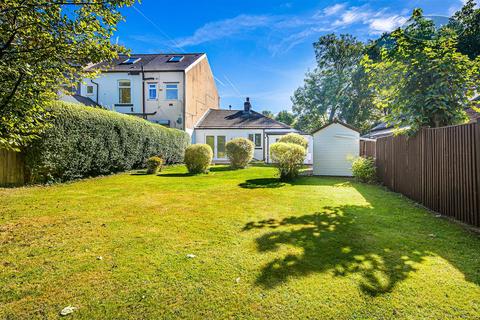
152	91
256	138
221	147
124	92
89	90
171	92
210	140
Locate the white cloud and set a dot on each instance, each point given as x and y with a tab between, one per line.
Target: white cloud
336	8
386	24
225	28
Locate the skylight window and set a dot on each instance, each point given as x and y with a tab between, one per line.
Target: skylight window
175	59
131	61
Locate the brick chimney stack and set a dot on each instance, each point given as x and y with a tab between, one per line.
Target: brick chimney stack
247	105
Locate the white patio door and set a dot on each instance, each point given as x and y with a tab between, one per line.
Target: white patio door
217	143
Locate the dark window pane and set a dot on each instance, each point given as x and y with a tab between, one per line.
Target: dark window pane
220	146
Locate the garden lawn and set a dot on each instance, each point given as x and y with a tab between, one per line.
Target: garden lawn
116	248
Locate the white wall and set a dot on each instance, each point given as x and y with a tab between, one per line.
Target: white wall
272	138
165	109
230	134
333	149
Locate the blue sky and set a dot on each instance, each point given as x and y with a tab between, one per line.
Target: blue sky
261	48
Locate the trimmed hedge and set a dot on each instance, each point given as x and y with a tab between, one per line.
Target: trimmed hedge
85	142
198	158
239	152
288	157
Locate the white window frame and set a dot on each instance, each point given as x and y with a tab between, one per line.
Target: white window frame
167	89
252	137
89	93
152	86
124	87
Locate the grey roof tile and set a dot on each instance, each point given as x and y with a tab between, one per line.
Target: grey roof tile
238	119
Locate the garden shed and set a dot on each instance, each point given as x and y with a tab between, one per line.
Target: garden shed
335	145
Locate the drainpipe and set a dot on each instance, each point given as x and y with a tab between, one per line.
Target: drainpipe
98	86
143	93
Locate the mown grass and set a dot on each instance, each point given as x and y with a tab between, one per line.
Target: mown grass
321	248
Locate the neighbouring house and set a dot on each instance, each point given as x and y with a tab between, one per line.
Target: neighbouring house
174	90
217	127
335	145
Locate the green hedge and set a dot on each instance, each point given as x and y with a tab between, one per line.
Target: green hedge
86	142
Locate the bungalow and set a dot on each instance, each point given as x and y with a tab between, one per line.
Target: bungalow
217	127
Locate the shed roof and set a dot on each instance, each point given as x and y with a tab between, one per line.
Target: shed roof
338	122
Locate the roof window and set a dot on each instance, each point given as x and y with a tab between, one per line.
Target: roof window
175	59
131	61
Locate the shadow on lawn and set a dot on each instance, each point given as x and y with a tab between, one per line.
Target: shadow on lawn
262	183
361	240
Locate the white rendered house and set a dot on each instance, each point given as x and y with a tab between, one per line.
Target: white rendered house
218	127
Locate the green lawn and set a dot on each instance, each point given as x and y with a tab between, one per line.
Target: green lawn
318	248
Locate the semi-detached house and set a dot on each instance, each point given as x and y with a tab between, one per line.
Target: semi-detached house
174	90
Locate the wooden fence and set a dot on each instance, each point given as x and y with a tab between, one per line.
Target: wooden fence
11	168
439	168
367	148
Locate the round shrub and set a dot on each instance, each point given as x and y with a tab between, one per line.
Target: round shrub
364	169
288	157
154	164
294	138
198	158
240	152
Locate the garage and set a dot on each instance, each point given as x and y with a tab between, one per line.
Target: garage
335	145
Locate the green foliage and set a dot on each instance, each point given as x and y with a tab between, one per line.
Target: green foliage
294	138
44	46
267	113
84	141
364	169
423	80
285	117
240	152
198	158
467	20
154	165
288	157
336	89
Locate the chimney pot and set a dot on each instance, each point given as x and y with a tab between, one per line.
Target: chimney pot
230	107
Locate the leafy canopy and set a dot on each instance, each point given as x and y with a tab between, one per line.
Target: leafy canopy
336	88
43	47
423	80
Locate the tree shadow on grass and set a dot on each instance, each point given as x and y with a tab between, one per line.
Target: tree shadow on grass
262	183
221	168
177	175
139	173
359	240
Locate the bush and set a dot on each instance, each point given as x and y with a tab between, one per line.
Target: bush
198	158
154	164
288	157
294	138
84	142
364	169
240	152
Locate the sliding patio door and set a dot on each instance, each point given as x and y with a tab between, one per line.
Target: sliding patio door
217	143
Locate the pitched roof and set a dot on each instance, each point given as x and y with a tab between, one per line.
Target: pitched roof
150	62
238	119
76	98
339	122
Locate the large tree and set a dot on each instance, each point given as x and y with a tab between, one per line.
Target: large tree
286	117
44	46
423	80
467	21
335	89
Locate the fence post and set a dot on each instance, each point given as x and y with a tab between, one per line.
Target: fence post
477	178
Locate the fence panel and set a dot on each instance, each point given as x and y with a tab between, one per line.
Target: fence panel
11	168
367	148
439	168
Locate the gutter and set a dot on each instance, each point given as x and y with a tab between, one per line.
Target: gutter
98	88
